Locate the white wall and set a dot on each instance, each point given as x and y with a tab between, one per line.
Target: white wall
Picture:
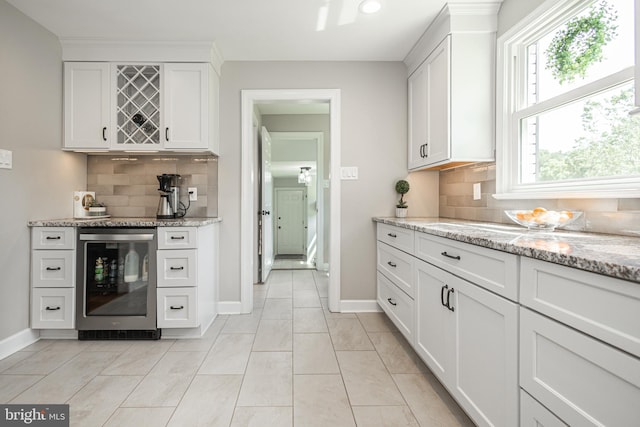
43	178
374	129
513	11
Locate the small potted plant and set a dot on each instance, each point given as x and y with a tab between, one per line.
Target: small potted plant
402	188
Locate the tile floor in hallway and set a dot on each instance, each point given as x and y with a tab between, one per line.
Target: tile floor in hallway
289	363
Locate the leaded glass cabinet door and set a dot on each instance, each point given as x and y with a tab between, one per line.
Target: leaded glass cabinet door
137	112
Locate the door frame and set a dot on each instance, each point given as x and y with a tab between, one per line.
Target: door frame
276	209
248	184
319	138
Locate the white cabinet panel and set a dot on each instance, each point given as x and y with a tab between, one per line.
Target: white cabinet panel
186	106
177	237
177	307
494	270
53	238
533	414
177	268
398	237
52	308
398	306
53	268
398	266
87	105
580	379
604	307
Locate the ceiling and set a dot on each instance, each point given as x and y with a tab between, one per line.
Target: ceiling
251	30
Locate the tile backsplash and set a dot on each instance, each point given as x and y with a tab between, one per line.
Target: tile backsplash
128	186
615	216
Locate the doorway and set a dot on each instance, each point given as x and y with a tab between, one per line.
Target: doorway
249	189
290	221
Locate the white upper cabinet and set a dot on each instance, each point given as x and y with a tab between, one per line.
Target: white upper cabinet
186	101
451	89
141	107
87	106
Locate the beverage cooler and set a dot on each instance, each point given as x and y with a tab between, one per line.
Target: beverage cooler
116	283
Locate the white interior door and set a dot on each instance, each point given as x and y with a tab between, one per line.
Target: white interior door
290	221
266	223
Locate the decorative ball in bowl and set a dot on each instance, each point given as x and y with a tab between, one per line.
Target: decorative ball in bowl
542	219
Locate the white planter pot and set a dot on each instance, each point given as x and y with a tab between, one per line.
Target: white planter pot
401	212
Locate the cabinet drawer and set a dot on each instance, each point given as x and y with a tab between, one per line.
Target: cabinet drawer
533	414
177	268
52	308
493	270
398	306
397	266
177	308
53	269
604	307
580	379
53	238
177	237
397	237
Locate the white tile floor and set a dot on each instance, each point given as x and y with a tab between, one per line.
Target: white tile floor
291	362
292	264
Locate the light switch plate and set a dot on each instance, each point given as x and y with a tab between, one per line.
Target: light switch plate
349	173
193	194
6	159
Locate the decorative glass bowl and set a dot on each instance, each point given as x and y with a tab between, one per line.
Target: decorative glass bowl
541	219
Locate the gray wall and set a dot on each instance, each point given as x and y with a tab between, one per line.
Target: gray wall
43	178
513	11
374	135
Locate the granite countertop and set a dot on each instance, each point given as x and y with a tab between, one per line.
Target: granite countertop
124	222
611	255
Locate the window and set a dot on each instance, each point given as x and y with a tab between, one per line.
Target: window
565	91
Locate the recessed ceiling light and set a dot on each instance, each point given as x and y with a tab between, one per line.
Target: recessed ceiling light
370	6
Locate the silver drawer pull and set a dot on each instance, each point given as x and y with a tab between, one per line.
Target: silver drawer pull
392	235
392	264
176	307
54	268
53	237
177	237
450	256
52	308
391	301
177	268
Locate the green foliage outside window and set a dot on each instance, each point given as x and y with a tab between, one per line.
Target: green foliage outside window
612	147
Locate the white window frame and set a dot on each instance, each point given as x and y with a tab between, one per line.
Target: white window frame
510	93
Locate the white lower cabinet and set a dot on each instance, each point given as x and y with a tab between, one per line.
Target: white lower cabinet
533	414
398	306
177	307
581	380
469	339
53	308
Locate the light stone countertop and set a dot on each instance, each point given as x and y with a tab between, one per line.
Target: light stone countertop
124	222
607	254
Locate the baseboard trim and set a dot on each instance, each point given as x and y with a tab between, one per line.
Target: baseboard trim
229	307
359	306
59	334
18	341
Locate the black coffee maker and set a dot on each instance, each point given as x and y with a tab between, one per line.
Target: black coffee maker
169	205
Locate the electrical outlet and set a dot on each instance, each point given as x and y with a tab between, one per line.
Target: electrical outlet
6	159
193	194
477	193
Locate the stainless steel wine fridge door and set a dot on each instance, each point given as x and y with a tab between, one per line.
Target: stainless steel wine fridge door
116	279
